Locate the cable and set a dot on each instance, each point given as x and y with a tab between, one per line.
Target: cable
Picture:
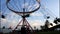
15	2
47	12
12	6
19	4
50	10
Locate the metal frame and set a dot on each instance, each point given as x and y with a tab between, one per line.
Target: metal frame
22	12
24	16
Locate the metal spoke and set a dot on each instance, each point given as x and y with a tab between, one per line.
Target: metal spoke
16	5
12	6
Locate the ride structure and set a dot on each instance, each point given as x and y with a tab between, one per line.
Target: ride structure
16	7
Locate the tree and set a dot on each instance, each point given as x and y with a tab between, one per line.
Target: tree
42	27
46	24
34	27
56	20
51	24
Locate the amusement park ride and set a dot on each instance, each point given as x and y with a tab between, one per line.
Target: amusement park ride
24	13
24	8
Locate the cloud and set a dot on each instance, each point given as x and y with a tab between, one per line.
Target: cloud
36	14
3	20
13	24
35	22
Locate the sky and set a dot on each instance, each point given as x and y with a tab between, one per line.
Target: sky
48	8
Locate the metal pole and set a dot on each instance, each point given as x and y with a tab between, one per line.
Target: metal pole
24	13
59	8
0	19
23	16
0	23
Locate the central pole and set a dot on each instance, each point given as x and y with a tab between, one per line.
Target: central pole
23	14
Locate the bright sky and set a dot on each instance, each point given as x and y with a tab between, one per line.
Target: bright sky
48	7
